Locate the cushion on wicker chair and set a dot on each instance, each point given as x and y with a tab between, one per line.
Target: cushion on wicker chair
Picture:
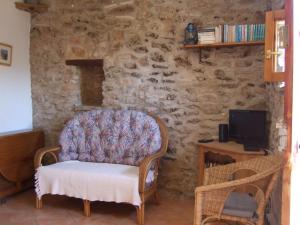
240	204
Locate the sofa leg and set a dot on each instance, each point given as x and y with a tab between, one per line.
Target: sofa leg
38	203
87	207
156	198
140	211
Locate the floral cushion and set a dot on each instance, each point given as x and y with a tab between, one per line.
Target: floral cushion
110	136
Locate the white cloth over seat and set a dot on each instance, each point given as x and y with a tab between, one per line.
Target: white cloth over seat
90	181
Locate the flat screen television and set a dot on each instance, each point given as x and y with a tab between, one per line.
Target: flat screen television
248	127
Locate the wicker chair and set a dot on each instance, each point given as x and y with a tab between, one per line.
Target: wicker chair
221	182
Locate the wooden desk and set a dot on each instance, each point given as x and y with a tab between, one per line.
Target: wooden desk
216	153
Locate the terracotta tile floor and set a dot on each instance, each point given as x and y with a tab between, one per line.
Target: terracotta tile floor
60	210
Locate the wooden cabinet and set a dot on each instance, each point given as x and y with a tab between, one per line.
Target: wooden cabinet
275	44
17	152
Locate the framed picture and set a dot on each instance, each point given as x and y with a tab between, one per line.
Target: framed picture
5	54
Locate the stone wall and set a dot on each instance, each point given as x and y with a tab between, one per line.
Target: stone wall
277	143
276	4
147	68
277	130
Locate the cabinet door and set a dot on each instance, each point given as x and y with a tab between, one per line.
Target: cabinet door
275	44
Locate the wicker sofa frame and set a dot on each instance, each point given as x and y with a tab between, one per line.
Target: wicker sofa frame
145	192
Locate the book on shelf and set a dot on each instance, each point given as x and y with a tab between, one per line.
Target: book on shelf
231	33
208	35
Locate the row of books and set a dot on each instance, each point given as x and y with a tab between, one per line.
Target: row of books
231	33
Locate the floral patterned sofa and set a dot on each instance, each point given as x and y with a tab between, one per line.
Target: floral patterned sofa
105	155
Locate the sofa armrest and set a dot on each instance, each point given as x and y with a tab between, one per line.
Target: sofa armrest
42	152
146	164
145	167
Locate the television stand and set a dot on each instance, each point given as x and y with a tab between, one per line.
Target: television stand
217	153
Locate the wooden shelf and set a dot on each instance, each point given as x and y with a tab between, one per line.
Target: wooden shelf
84	62
225	44
32	8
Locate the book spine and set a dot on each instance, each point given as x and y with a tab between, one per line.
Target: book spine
255	32
228	33
252	32
248	32
222	33
241	33
238	33
206	33
218	31
245	32
262	32
245	27
225	32
237	38
233	33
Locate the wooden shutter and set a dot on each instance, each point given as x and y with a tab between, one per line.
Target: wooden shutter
271	55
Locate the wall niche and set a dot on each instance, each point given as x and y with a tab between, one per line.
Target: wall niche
92	77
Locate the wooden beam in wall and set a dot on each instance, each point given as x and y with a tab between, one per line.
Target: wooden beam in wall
84	62
31	8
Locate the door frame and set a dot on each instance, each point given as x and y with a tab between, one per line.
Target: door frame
288	110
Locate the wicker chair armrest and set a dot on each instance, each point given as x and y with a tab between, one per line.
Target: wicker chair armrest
144	168
42	152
